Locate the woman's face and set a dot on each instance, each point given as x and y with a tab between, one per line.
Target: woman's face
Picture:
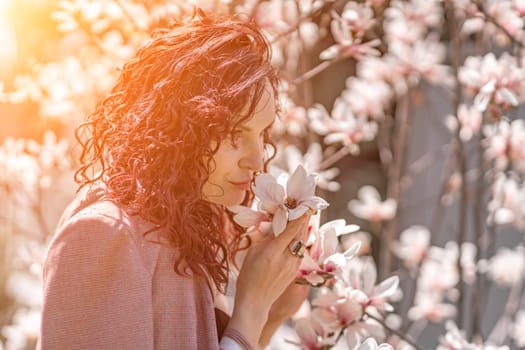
236	162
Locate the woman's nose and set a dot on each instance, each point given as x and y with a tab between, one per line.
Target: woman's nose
253	158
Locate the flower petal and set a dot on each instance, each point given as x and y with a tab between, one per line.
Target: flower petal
350	311
334	262
314	202
306	332
280	219
352	251
329	243
308	264
297	212
386	288
369	275
300	185
268	190
248	217
314	279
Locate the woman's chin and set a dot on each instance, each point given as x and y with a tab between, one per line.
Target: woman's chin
228	201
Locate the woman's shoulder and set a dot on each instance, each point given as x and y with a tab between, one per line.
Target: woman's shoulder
91	204
93	224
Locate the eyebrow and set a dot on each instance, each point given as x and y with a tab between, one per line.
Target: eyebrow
248	129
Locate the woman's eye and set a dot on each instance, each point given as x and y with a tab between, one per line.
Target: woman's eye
235	137
265	134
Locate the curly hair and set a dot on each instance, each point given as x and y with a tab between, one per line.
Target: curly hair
151	141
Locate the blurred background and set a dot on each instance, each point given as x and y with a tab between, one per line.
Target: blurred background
409	111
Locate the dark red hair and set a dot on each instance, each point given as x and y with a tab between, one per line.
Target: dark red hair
151	141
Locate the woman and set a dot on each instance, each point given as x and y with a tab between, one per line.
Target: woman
137	257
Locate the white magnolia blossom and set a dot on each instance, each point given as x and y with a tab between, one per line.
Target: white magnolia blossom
361	278
312	160
420	60
370	207
371	344
367	98
437	279
340	311
382	69
18	169
342	126
409	21
454	339
322	261
492	80
506	13
24	330
507	205
314	333
504	142
348	30
413	245
431	306
507	267
293	119
280	203
469	121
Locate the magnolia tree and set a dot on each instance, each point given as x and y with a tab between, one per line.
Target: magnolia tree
401	55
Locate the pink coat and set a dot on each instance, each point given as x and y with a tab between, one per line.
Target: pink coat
108	287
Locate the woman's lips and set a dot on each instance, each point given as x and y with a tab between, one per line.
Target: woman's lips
244	185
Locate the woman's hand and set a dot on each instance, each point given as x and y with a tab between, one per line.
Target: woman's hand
267	271
285	306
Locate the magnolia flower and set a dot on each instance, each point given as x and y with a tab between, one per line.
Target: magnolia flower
380	69
493	80
278	203
413	245
508	202
429	306
469	120
507	267
420	60
357	331
497	143
18	169
311	161
408	22
370	207
25	288
440	276
454	339
503	13
293	119
371	344
358	17
367	98
348	31
342	126
25	329
516	140
504	142
336	309
322	261
361	279
313	334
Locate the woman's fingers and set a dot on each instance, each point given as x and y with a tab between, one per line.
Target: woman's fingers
295	229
